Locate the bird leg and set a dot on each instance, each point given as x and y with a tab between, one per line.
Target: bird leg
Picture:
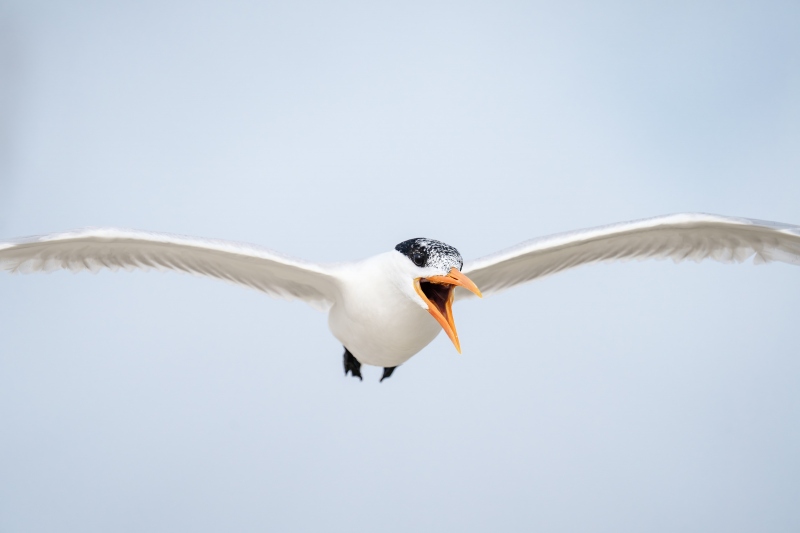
351	365
387	371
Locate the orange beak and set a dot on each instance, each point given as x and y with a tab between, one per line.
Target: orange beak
437	292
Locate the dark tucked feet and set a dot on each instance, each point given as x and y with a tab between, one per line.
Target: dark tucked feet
352	365
387	371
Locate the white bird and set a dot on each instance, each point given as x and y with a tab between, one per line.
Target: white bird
386	308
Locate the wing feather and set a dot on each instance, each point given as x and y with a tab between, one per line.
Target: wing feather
94	249
688	236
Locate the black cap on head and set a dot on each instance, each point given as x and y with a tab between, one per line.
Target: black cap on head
430	253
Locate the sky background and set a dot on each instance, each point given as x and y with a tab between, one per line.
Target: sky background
627	397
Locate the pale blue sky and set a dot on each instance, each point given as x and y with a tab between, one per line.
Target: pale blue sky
635	397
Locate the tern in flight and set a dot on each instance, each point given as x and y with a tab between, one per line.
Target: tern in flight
386	308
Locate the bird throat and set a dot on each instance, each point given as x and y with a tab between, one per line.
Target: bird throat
439	298
437	295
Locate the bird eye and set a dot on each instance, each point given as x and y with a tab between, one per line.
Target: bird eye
418	258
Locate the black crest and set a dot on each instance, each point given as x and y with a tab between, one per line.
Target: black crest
430	253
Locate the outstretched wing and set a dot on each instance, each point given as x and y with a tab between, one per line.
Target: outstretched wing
96	248
693	236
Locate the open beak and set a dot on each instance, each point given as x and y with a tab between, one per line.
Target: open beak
437	292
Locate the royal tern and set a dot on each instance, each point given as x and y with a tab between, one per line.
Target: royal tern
386	308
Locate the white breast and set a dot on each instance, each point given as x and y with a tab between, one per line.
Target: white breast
375	317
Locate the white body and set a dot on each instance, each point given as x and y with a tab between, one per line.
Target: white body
378	316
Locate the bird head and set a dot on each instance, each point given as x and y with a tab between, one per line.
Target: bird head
436	271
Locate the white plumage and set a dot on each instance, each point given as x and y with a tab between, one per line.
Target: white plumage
245	264
685	236
374	308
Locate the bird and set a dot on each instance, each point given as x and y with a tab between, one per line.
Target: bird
387	308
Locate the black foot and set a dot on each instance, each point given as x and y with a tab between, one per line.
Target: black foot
352	365
387	371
